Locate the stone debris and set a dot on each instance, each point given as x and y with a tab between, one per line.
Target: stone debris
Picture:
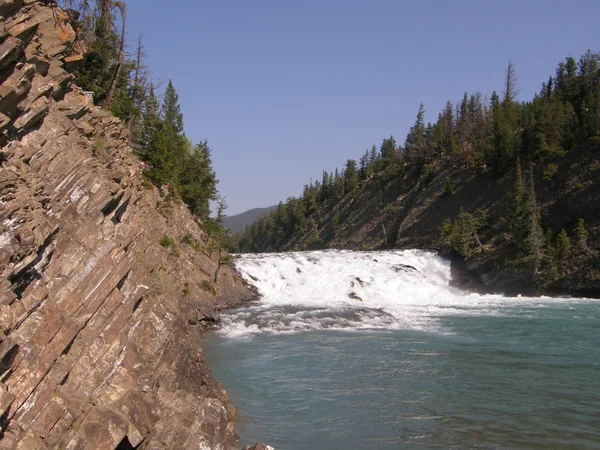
99	347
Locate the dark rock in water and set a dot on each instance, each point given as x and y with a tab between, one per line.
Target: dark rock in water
361	282
253	278
258	446
298	270
404	268
207	318
354	296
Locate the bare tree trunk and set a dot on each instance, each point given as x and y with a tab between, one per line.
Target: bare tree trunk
138	88
384	234
115	77
218	264
478	242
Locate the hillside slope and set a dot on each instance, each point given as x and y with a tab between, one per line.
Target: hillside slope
240	221
391	211
106	283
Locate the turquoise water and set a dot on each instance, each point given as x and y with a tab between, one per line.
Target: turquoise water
527	379
375	350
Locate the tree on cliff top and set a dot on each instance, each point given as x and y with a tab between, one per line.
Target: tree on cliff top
172	157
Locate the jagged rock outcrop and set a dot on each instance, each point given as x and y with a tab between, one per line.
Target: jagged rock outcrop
106	283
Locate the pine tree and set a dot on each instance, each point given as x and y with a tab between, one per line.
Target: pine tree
506	140
462	235
534	237
415	143
337	222
197	182
350	177
373	157
281	219
167	149
171	112
150	120
581	236
364	166
104	61
550	256
444	133
563	245
338	185
449	187
517	204
388	151
325	187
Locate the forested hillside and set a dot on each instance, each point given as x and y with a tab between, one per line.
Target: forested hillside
508	187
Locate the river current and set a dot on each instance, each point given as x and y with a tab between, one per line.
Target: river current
375	350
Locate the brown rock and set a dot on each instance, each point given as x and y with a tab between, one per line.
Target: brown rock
74	106
36	112
97	350
4	121
8	7
101	429
10	50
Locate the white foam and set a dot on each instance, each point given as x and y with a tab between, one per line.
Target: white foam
396	289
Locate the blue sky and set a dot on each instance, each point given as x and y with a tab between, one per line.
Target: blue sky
284	89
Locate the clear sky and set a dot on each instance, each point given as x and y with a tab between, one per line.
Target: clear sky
284	89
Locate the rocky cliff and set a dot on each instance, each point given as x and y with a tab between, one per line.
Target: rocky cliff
106	283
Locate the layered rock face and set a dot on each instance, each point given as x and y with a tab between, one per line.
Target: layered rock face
106	283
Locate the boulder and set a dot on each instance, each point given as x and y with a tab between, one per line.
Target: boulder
258	446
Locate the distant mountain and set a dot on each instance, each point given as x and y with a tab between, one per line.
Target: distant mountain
239	221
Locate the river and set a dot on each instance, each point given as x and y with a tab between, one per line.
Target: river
375	350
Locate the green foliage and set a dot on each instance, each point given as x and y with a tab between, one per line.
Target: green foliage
449	187
525	221
337	222
563	245
550	171
501	239
351	177
104	70
581	236
208	286
173	159
99	145
462	234
166	241
416	142
428	173
550	256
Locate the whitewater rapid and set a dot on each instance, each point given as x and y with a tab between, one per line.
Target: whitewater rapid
342	289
